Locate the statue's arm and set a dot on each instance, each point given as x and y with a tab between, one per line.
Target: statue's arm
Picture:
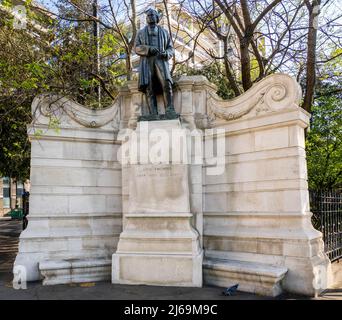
169	48
139	48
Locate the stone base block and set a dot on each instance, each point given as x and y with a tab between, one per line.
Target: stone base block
308	275
251	276
74	271
157	269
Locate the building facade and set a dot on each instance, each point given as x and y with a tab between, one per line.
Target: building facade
11	192
188	40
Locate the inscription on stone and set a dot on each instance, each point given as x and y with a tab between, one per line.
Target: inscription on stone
157	171
159	188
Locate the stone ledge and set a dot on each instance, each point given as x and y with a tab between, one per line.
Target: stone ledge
159	215
5	218
251	276
75	271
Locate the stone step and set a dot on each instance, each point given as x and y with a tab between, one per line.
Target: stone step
75	270
5	218
252	277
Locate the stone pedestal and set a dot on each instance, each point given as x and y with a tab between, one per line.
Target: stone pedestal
158	245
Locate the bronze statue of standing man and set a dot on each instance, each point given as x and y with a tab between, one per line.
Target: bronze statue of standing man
154	46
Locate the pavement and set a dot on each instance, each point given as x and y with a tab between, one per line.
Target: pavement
9	238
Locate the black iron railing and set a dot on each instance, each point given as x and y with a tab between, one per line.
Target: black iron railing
326	207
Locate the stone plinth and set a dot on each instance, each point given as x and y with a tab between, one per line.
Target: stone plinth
158	245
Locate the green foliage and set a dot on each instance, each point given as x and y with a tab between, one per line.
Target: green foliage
324	140
59	58
324	143
215	74
14	143
54	123
23	74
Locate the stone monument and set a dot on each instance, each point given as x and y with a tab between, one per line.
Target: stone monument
158	245
252	220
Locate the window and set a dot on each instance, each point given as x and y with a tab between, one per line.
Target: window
6	192
20	191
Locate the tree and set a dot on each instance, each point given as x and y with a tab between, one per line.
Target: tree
324	144
84	57
264	37
324	140
313	11
49	55
214	74
118	18
14	143
22	76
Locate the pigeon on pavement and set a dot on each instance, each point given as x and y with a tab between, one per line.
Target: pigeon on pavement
229	291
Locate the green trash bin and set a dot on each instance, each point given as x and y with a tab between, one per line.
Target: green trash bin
16	214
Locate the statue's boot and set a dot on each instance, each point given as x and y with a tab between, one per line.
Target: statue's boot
168	101
152	101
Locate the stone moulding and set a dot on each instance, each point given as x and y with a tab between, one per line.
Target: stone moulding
49	105
275	92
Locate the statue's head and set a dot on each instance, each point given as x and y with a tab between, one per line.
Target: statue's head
152	16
